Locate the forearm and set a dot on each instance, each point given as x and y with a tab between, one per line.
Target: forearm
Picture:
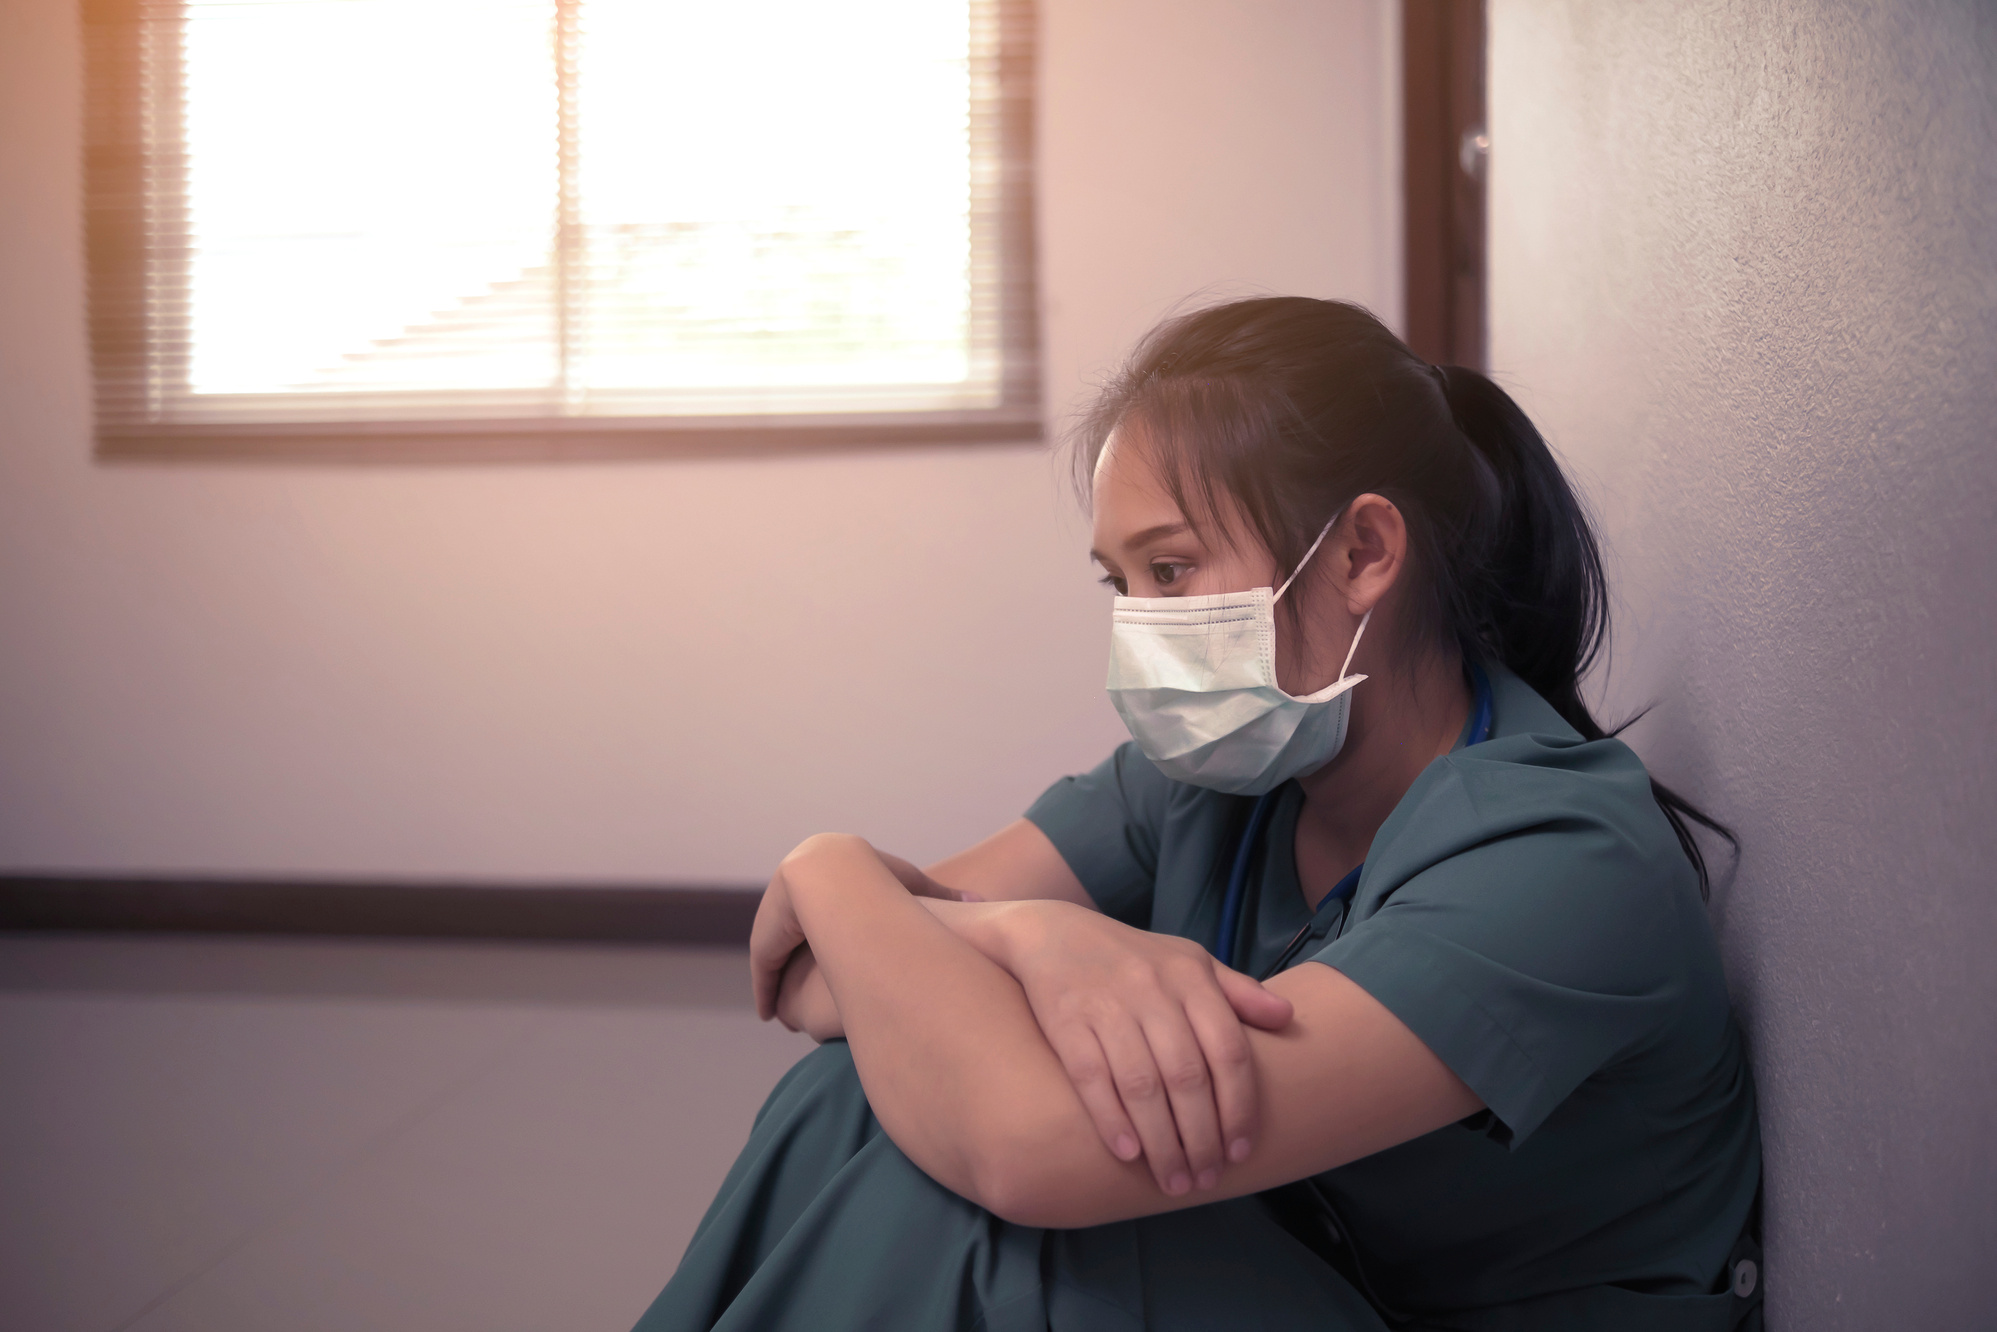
1017	863
960	1075
954	1065
805	1001
806	1004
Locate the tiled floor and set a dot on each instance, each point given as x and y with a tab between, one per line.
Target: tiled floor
210	1135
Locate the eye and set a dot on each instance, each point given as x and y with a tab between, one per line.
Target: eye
1168	574
1111	580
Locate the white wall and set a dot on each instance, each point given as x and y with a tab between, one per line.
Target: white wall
1744	272
652	671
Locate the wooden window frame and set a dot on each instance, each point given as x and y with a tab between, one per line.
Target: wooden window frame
132	71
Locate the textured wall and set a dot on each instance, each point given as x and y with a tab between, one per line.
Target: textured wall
1745	274
667	670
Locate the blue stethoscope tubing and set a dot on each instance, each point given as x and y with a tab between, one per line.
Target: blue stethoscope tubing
1232	905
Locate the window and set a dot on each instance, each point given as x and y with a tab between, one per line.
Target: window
434	228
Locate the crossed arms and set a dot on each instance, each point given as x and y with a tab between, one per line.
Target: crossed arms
964	1079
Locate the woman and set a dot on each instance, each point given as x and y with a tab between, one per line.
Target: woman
1492	1080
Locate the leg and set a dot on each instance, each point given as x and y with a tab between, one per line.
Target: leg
823	1224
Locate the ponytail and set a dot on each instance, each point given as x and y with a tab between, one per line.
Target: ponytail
1535	597
1282	409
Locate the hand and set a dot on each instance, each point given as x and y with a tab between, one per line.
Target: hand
919	883
1148	1027
773	938
804	1002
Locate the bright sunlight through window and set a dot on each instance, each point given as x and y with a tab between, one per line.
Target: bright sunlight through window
411	210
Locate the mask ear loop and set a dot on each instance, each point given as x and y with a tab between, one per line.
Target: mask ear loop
1305	561
1358	633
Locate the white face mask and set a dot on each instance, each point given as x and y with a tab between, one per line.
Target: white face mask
1194	678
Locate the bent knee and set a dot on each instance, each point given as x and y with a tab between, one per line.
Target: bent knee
823	1082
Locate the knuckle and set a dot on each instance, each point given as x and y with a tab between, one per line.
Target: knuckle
1198	981
1084	1069
1138	1084
1232	1053
1136	973
1107	1111
1067	1019
1187	1075
1097	1008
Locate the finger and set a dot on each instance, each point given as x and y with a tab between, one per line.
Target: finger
918	882
936	890
911	876
767	960
1189	1090
931	888
763	983
1231	1064
767	982
1253	1002
1081	1054
772	939
1141	1089
790	983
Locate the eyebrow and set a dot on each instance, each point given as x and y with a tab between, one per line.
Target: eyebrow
1147	536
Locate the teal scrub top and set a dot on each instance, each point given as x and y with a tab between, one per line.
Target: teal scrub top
1527	911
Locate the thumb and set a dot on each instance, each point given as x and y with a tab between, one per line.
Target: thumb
918	882
1252	1003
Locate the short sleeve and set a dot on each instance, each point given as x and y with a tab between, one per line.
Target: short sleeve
1106	823
1530	962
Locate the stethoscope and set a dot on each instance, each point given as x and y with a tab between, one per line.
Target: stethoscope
1330	913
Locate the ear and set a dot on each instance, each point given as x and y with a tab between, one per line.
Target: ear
1372	550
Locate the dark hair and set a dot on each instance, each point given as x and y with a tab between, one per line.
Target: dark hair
1291	407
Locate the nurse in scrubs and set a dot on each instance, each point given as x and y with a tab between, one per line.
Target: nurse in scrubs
1369	986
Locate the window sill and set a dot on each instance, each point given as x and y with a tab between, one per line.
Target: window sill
512	441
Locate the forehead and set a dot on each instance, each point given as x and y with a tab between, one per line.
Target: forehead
1128	490
1133	503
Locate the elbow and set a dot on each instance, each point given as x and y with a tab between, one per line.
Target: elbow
1006	1184
1024	1175
1001	1154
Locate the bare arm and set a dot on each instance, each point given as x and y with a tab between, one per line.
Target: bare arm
961	1077
1016	863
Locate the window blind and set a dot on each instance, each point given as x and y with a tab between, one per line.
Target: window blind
567	224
